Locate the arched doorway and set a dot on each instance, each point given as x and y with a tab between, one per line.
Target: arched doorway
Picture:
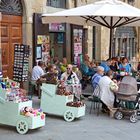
125	42
11	33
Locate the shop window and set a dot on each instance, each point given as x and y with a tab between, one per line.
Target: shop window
57	3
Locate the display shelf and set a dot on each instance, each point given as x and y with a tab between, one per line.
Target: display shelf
21	63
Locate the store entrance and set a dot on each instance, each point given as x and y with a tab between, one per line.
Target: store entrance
57	45
11	34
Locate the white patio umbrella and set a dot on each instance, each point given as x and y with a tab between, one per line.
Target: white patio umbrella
108	13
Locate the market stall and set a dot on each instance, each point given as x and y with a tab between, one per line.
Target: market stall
56	100
16	108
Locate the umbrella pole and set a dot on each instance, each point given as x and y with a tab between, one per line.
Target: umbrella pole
110	42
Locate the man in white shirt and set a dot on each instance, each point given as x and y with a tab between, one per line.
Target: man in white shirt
38	71
69	75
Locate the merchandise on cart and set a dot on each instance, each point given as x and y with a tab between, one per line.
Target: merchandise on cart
17	108
55	99
31	112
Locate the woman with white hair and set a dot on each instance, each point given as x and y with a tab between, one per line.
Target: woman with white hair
97	76
107	89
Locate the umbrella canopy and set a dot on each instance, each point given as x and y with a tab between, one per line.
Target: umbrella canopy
108	13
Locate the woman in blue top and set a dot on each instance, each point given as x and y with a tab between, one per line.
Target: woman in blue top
125	66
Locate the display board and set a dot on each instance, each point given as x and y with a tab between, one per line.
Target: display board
77	45
21	62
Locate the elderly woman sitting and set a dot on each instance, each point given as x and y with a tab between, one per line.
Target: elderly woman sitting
107	89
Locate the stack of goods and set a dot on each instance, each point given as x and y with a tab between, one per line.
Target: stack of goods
6	83
31	112
13	91
52	78
16	95
62	90
75	104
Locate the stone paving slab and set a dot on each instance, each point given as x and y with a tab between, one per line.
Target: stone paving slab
89	127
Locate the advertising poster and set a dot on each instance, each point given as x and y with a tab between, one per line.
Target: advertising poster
44	42
77	38
38	52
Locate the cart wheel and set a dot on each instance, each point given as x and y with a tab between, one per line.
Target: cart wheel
118	115
133	118
69	116
22	127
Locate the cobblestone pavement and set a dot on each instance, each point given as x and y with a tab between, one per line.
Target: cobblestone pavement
89	127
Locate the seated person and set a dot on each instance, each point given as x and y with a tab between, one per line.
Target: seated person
106	65
57	64
87	67
63	65
125	66
107	89
38	71
51	76
114	64
69	76
97	76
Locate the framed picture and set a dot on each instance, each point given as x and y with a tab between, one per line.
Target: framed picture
60	38
38	52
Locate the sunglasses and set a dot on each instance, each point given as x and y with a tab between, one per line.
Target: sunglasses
68	68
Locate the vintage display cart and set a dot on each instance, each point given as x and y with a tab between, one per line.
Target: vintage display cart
10	114
61	105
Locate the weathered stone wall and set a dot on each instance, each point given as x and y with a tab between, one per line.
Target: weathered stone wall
102	34
30	7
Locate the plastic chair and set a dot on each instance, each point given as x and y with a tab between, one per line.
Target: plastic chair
95	100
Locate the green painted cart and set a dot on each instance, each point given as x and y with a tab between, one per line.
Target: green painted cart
10	115
52	103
